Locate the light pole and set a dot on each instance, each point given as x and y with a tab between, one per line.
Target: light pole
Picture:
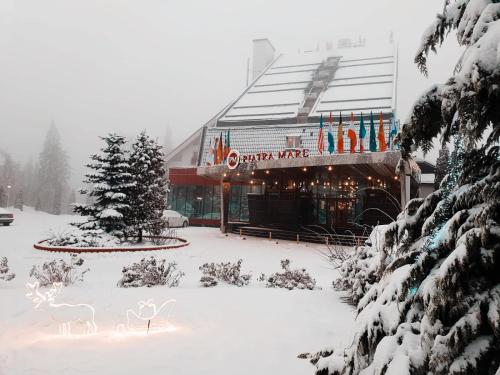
8	194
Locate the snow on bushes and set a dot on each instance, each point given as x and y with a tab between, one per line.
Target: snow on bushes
291	279
76	237
362	269
59	271
150	272
229	273
5	274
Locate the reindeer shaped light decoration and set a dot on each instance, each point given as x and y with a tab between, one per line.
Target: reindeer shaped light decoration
63	313
148	311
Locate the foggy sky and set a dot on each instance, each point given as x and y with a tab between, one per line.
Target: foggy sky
95	66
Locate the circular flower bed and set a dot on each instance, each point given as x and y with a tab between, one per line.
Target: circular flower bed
180	242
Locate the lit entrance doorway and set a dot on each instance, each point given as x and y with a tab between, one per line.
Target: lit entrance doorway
336	212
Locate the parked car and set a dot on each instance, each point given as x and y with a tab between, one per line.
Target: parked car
6	217
175	219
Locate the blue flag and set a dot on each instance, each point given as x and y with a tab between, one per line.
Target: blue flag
373	135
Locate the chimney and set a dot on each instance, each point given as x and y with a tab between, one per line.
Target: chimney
263	55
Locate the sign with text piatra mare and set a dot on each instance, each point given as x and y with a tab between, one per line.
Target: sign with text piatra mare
234	157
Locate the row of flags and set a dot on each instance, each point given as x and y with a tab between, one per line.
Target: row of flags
351	134
218	150
219	147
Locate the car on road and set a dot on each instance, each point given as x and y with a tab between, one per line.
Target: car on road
6	217
175	219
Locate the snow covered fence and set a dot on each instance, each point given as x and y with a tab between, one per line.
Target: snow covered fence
73	249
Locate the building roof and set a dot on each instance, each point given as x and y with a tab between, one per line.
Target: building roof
343	79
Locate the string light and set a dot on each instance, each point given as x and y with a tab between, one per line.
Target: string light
81	312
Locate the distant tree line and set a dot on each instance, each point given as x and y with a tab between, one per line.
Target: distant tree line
42	184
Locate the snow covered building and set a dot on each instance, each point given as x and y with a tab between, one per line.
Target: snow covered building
277	173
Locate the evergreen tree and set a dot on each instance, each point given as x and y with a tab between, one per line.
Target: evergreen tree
441	166
149	192
167	140
71	202
53	173
436	306
19	202
3	197
29	183
111	183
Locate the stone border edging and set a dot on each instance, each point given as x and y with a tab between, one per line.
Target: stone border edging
72	249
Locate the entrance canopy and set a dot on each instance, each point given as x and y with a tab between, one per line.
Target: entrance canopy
381	164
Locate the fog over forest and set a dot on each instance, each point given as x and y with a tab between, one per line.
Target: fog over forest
91	67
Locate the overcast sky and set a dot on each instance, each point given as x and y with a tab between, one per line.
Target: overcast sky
95	66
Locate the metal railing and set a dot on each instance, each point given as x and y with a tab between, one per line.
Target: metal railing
300	236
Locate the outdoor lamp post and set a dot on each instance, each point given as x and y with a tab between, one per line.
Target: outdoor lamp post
8	194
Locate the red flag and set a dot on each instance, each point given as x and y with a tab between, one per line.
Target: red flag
321	138
340	137
351	133
381	135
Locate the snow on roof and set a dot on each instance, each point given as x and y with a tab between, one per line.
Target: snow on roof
363	81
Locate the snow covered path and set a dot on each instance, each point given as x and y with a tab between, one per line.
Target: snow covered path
222	330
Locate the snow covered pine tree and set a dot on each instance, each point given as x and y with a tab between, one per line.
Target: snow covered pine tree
441	166
149	192
111	184
436	307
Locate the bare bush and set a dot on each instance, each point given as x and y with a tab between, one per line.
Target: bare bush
291	279
58	271
159	235
5	274
362	269
150	272
229	273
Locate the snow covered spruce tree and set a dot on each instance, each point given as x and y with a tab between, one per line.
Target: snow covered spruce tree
436	307
441	166
148	196
53	173
111	184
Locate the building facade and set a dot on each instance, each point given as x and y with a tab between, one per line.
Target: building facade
276	166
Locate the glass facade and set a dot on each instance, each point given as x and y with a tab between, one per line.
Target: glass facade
203	202
196	201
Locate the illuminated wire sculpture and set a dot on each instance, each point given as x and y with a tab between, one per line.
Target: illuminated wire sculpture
65	314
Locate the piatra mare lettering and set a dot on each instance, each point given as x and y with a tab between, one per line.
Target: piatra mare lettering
285	154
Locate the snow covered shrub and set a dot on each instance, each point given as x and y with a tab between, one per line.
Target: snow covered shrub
150	272
362	269
291	279
58	271
5	274
76	237
436	308
229	273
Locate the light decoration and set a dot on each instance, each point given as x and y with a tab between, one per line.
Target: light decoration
65	314
148	311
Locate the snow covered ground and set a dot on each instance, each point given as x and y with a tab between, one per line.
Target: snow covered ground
221	330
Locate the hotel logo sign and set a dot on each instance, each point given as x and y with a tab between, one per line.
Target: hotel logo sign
233	159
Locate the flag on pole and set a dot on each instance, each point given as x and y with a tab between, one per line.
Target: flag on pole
340	136
227	145
381	134
373	139
331	142
321	138
220	152
362	133
393	133
351	133
210	156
